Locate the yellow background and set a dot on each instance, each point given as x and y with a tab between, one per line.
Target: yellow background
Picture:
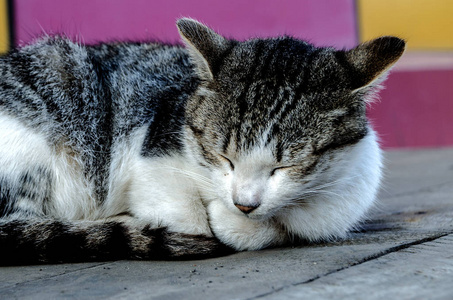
4	32
425	24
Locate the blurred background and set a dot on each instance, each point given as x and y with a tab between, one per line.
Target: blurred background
415	110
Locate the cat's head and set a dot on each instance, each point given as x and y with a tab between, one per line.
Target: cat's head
275	118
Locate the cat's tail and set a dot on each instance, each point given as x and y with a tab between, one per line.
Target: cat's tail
51	241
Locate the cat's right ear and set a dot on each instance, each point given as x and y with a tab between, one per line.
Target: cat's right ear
204	45
372	60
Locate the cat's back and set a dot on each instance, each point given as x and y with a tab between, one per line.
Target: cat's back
65	74
67	108
51	81
58	87
144	81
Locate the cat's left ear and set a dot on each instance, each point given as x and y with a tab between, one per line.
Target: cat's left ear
204	45
372	60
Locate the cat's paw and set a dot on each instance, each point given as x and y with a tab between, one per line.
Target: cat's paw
243	233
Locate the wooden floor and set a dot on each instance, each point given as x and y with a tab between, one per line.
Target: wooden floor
404	251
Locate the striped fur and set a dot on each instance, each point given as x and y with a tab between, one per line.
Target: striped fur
51	241
154	151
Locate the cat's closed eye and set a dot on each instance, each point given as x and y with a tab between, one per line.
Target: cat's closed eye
279	169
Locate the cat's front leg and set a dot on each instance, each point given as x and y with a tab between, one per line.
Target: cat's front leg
163	194
178	213
242	232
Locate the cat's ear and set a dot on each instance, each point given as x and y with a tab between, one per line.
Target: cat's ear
371	61
204	45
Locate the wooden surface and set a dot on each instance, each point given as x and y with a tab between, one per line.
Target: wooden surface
404	251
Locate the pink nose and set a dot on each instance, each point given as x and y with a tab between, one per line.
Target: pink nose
245	209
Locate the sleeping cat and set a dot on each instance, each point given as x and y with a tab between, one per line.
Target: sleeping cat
153	151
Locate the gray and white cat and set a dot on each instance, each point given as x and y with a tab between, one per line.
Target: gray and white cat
154	151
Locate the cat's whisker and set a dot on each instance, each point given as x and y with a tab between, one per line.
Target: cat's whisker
323	187
205	181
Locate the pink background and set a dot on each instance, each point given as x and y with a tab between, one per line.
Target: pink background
324	22
416	108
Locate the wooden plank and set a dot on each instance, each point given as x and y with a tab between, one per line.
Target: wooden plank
423	271
409	171
250	273
11	276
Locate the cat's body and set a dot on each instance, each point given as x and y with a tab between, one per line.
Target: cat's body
255	144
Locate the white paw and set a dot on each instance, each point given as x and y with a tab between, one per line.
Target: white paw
243	233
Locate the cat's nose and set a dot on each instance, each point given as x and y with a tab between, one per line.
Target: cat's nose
246	209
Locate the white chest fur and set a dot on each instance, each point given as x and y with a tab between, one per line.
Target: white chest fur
164	191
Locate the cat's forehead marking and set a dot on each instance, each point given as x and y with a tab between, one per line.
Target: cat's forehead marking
257	157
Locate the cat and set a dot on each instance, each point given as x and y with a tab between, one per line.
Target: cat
158	151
